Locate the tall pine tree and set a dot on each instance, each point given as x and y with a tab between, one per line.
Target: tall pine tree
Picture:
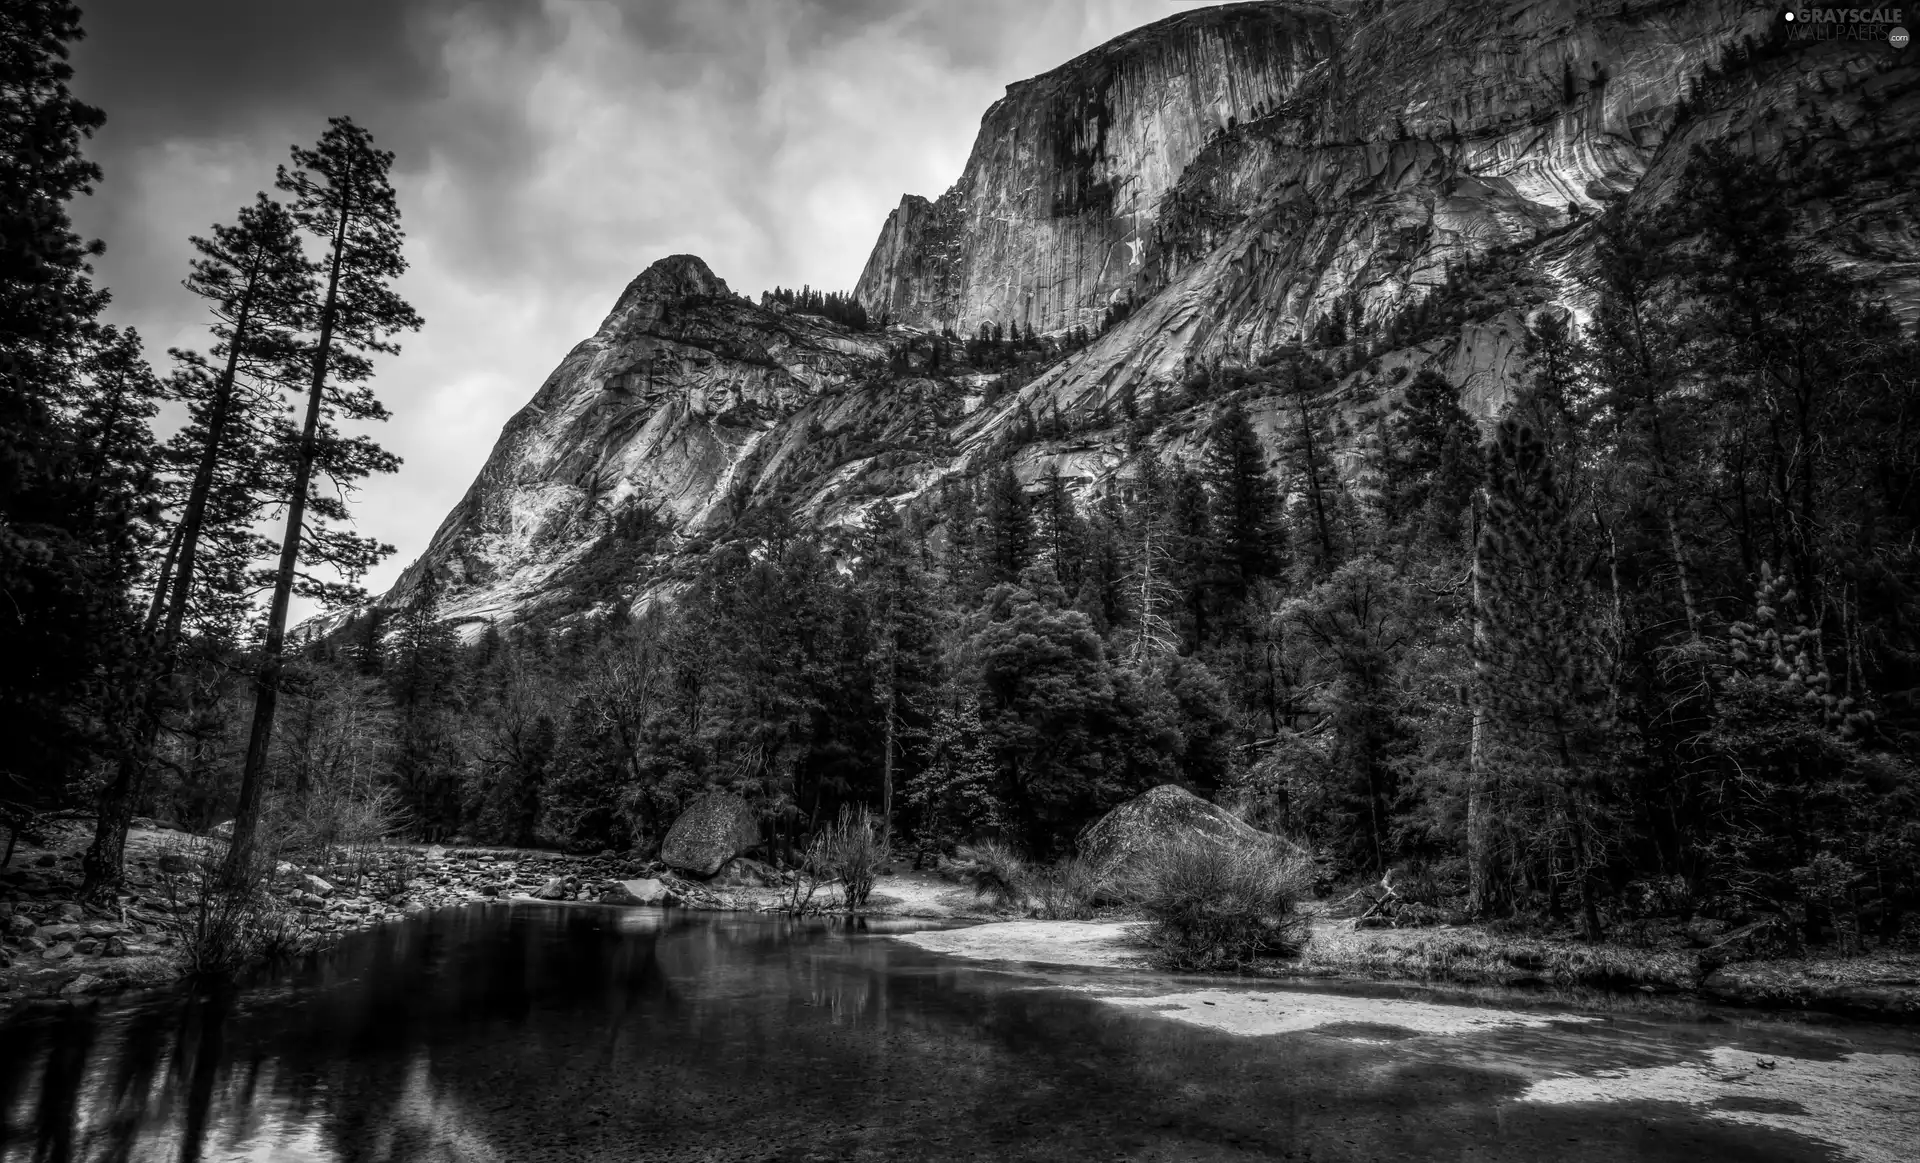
71	514
1248	535
343	198
1542	679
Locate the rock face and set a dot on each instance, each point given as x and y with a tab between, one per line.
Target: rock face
653	423
1049	220
714	829
1233	174
1158	815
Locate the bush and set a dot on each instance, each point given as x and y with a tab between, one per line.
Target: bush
995	872
220	927
1066	891
848	850
1219	906
343	831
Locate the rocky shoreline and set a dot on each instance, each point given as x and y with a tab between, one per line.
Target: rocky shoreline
54	947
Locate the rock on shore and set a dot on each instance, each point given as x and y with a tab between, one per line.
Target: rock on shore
714	829
1161	814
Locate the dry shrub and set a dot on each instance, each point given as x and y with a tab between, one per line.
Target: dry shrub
848	850
1066	891
219	925
1220	905
341	829
994	871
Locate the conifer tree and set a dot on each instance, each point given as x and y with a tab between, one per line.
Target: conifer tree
1060	532
956	794
1314	480
1436	449
964	567
1541	678
72	517
1244	501
422	676
1007	537
1047	708
1356	626
341	197
903	657
1102	593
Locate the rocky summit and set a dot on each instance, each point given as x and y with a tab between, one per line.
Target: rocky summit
1193	196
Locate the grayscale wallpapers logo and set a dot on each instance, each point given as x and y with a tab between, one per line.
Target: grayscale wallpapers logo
1887	24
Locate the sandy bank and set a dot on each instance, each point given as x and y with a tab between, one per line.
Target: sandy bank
1081	944
1866	1104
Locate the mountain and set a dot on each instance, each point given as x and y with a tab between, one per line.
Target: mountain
1197	195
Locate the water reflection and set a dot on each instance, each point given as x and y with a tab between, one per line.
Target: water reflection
533	1032
403	1038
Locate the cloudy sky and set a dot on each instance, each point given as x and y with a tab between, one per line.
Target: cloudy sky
548	151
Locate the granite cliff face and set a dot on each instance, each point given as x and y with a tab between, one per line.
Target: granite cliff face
1061	195
657	412
1231	174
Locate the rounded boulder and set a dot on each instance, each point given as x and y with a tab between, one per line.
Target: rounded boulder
714	829
1160	814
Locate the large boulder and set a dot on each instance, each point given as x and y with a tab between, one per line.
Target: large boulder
714	829
1160	814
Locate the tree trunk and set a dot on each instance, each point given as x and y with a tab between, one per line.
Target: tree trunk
266	685
1686	583
886	784
1483	875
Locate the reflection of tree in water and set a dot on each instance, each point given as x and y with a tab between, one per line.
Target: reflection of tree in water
333	1048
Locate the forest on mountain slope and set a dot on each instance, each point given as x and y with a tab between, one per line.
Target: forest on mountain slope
1648	647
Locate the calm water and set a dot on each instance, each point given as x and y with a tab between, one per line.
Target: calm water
528	1032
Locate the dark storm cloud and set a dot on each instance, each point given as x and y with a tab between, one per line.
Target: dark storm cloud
545	154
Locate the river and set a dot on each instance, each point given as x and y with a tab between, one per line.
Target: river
533	1032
